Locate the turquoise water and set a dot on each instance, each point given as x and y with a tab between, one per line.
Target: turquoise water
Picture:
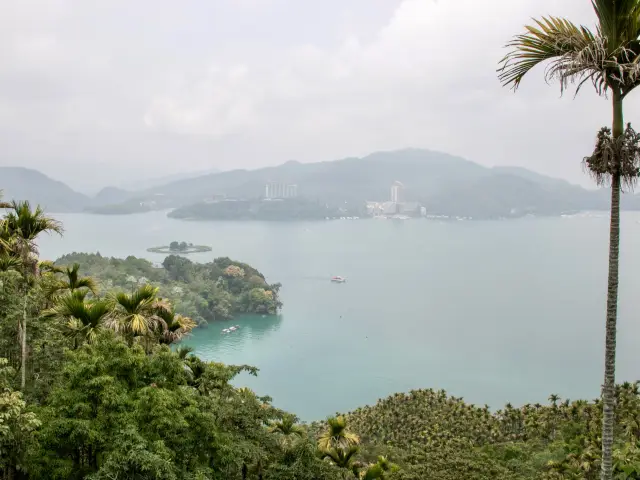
489	311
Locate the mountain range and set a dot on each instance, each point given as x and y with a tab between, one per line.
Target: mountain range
445	184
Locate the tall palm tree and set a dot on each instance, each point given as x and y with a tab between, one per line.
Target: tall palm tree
20	229
608	58
135	315
83	319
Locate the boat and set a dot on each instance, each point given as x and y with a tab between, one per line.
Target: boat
338	279
226	330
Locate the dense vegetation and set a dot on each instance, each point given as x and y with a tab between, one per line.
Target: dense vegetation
285	209
436	436
89	387
203	291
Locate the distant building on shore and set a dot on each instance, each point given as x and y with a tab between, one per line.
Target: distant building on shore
396	206
273	190
396	192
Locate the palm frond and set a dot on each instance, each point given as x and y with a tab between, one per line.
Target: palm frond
10	263
183	351
608	58
49	266
618	21
82	319
574	53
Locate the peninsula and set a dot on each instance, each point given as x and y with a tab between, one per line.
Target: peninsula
205	292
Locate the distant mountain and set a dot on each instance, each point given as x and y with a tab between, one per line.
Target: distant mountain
110	196
349	180
445	184
25	184
147	183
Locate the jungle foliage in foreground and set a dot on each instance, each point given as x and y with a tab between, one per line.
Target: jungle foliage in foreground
90	389
203	291
436	436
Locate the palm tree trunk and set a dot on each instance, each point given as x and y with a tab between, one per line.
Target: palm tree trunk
608	389
23	341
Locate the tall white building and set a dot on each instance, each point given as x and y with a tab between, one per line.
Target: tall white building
280	190
396	192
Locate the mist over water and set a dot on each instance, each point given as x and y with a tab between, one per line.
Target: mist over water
490	311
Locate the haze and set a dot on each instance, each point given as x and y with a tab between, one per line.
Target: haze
104	92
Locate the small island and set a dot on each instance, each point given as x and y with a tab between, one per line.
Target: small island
180	248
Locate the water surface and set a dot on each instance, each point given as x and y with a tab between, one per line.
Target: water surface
490	311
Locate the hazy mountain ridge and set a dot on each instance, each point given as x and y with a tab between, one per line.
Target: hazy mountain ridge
20	183
445	184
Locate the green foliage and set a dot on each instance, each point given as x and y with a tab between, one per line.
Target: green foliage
203	292
103	396
17	425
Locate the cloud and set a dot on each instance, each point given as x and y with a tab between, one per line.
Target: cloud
255	82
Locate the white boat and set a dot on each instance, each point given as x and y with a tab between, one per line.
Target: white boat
226	330
338	279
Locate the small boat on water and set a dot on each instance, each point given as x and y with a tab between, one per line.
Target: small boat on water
338	279
231	329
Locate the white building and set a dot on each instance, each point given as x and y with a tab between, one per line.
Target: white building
389	208
396	192
280	190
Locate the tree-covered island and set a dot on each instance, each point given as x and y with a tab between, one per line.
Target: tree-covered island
182	248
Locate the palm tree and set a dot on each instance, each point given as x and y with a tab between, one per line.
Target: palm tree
336	435
184	351
287	428
343	458
609	59
173	327
22	226
135	315
379	469
71	282
83	319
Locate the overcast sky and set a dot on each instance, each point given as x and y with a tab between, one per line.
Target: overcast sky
97	92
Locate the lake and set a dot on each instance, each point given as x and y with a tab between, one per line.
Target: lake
491	311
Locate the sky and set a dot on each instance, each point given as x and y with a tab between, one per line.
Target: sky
102	92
